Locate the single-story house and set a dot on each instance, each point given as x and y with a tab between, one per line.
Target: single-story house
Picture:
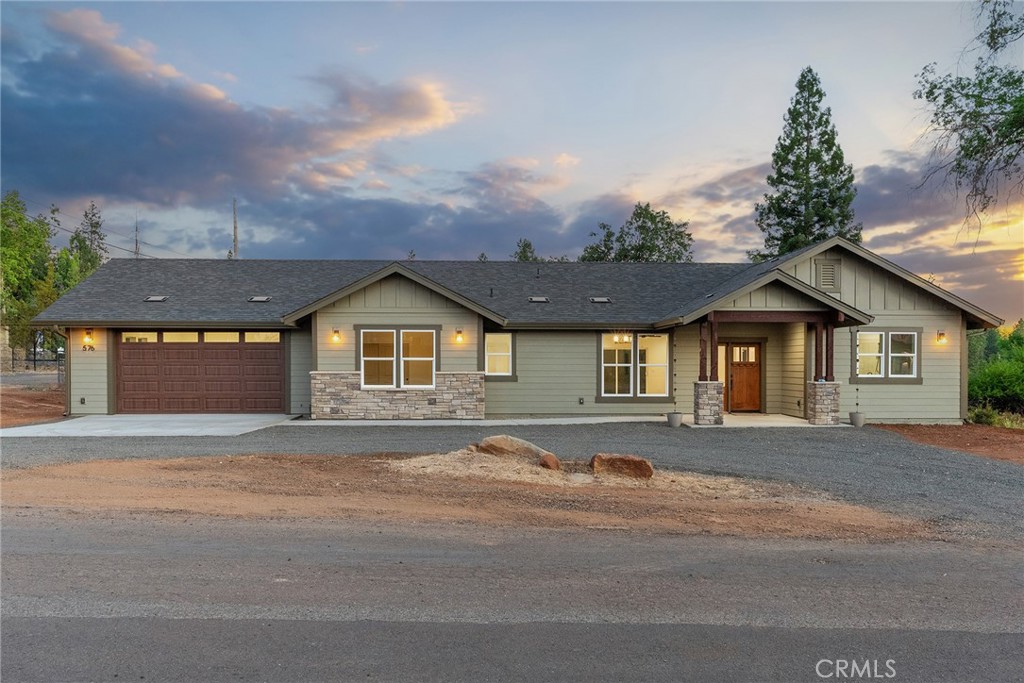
811	334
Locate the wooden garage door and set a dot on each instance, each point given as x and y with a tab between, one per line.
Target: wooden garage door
200	376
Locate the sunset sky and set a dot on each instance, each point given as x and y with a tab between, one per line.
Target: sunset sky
365	130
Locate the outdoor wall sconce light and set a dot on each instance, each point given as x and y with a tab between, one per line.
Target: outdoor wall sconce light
336	336
458	336
940	337
87	341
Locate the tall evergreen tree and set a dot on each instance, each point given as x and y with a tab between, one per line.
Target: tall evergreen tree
812	183
647	235
88	243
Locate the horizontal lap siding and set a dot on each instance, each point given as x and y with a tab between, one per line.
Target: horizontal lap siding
300	351
89	372
793	359
554	370
393	302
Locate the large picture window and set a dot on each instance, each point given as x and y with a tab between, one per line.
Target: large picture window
634	365
887	355
393	359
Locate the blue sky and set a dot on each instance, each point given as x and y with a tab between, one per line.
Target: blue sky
359	130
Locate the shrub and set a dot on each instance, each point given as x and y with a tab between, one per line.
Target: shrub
1000	382
983	415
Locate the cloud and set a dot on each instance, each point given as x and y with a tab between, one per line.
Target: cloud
566	160
98	117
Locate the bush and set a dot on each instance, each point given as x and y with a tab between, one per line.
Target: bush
999	383
983	415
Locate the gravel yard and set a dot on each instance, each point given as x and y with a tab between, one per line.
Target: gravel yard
863	466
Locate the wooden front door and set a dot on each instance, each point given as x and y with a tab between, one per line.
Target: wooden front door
743	388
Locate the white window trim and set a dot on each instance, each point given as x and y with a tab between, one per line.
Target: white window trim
402	359
912	356
640	366
880	355
631	365
491	354
392	358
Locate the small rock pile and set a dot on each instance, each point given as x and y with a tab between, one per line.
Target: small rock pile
602	463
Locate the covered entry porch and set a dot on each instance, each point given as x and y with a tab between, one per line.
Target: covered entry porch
760	363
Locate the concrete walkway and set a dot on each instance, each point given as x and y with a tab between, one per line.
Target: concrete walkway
150	425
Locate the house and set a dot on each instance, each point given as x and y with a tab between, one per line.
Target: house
808	335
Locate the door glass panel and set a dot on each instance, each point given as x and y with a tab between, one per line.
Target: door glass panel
744	354
181	337
138	337
262	337
220	337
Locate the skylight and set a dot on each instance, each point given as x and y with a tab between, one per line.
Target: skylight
156	298
600	299
259	299
539	300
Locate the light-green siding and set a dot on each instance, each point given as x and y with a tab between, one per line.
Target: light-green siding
393	302
300	363
89	372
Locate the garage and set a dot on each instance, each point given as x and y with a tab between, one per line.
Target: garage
208	371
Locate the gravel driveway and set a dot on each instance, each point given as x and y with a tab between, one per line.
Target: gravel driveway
869	466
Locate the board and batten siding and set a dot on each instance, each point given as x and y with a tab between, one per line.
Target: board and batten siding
554	370
895	303
90	372
393	302
774	296
300	363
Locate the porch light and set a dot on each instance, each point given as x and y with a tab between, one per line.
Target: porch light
458	336
87	341
940	337
336	336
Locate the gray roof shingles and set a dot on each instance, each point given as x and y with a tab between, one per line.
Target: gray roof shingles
208	292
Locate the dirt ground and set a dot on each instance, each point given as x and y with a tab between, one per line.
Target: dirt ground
997	443
460	487
22	405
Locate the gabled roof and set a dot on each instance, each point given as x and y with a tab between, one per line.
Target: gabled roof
209	293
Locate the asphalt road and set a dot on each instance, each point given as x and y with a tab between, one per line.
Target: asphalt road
182	598
960	494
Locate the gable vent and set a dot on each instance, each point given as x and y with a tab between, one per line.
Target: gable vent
539	300
155	298
828	275
600	299
259	299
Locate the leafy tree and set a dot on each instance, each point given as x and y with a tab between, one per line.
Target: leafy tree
647	235
88	243
525	252
24	258
812	183
977	121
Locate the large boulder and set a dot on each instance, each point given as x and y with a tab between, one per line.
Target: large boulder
510	445
623	465
550	462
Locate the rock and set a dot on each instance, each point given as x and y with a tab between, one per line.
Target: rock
550	462
510	445
473	448
622	465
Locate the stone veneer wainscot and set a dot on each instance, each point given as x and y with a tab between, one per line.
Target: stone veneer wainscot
338	396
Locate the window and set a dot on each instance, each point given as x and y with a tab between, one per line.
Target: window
262	337
220	337
498	353
378	358
392	359
181	337
652	360
138	337
887	355
617	365
417	358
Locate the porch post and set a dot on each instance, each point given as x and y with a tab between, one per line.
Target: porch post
714	346
830	375
703	376
817	351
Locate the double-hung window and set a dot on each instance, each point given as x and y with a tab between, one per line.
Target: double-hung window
887	355
634	365
393	359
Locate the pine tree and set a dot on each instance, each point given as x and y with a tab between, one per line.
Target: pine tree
812	183
88	243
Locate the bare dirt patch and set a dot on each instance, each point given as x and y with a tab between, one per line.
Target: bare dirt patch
461	487
997	443
23	406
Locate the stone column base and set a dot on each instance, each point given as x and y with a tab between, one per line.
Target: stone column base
823	403
707	403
